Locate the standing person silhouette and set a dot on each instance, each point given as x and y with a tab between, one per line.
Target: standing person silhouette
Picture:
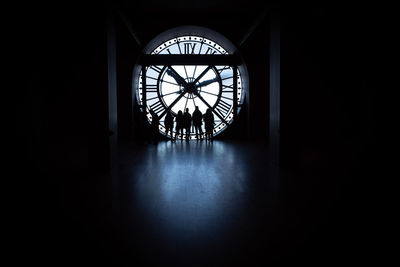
169	124
155	122
187	123
197	121
209	124
179	124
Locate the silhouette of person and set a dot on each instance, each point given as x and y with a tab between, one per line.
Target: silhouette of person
169	124
197	121
187	123
155	122
179	124
209	124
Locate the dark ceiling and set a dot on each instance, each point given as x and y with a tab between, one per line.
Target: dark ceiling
230	18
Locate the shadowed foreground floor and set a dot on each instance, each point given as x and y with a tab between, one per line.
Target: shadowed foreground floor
196	204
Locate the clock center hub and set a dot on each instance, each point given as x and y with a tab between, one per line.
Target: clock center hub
191	89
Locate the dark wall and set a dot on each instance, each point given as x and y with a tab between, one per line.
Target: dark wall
327	84
127	54
326	54
61	118
67	83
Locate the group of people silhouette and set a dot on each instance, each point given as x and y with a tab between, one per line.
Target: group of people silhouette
185	121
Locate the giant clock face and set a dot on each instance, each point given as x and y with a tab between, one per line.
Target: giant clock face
178	87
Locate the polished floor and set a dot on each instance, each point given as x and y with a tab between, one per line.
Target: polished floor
193	203
197	204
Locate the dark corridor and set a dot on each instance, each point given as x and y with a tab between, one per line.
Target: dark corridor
229	202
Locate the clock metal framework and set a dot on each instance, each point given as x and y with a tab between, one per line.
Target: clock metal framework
191	66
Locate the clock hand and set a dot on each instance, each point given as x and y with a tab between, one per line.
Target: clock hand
205	83
202	74
171	72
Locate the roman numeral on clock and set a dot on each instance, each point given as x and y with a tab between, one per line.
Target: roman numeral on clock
189	48
223	107
156	69
227	88
157	107
210	51
151	88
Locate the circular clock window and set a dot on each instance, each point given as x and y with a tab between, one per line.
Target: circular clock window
177	87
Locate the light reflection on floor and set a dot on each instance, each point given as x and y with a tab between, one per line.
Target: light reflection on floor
191	188
193	197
